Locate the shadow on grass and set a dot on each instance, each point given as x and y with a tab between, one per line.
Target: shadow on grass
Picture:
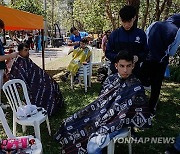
165	124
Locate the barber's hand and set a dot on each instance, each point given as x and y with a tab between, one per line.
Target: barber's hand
76	43
14	55
135	59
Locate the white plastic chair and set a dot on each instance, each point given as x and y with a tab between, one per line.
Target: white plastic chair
125	133
97	55
37	150
107	64
12	94
84	71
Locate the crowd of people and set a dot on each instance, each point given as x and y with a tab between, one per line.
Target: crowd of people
137	59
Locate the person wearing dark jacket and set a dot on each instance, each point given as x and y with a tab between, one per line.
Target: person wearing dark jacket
163	39
127	37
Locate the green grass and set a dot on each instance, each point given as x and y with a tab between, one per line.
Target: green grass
166	123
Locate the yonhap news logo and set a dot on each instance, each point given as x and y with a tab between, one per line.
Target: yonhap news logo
143	140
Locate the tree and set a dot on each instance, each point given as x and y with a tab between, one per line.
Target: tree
88	15
32	6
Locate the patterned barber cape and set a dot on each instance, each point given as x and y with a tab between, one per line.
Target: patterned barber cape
121	103
43	90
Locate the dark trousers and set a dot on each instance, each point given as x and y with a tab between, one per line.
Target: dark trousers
152	73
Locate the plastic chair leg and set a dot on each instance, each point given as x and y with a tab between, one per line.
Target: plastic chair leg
89	78
48	126
85	82
37	130
72	77
110	147
85	77
23	128
14	125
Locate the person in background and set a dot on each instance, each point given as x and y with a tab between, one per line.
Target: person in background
2	61
76	36
127	37
99	41
37	42
105	40
163	40
81	55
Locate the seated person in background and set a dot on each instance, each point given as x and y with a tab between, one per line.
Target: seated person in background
81	55
42	89
122	103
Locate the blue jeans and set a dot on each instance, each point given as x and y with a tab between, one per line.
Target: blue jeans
97	143
177	143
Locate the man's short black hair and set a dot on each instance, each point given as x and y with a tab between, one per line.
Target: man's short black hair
124	55
1	24
73	29
84	40
127	13
21	46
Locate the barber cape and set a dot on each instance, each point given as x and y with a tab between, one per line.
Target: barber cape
79	56
43	90
122	103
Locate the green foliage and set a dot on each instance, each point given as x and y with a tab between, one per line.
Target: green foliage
32	6
89	15
175	73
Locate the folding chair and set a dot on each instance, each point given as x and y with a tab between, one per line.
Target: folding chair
37	150
10	89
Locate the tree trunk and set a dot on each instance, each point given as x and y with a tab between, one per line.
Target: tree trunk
159	9
166	11
109	13
136	4
145	14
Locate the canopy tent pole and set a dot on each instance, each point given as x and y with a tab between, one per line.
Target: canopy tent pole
42	34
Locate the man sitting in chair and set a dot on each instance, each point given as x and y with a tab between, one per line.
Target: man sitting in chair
42	89
81	56
122	103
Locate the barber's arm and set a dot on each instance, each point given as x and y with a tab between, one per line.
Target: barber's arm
12	55
109	53
144	52
71	43
89	37
174	46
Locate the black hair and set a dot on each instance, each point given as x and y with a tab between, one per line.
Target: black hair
106	33
21	46
2	24
84	40
127	13
73	29
124	55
